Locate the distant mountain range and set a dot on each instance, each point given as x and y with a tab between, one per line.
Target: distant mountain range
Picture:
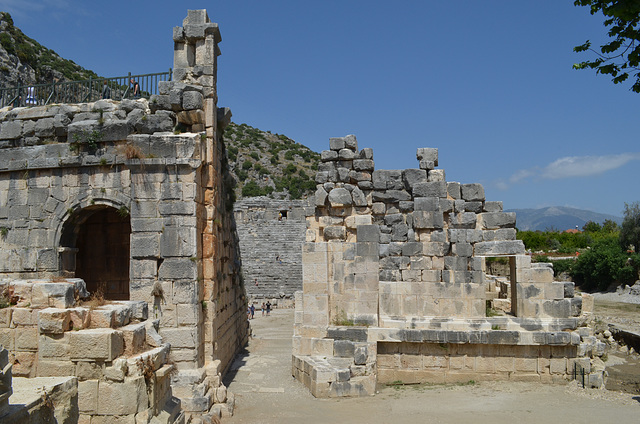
557	218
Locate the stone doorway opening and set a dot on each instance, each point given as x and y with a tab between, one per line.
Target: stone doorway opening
96	247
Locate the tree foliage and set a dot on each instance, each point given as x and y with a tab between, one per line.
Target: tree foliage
605	264
621	55
630	231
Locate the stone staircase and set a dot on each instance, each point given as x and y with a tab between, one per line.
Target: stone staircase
112	351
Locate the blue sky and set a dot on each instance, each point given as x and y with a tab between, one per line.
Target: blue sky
489	83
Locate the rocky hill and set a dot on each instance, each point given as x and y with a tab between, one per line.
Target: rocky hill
266	164
24	61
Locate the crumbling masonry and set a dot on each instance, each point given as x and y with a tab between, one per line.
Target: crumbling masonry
129	198
394	287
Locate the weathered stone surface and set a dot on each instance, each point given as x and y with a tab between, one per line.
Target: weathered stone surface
340	197
430	189
472	192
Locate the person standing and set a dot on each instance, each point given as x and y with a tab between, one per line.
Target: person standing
106	90
268	308
135	87
253	310
263	308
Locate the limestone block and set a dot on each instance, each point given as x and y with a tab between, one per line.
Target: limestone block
337	143
54	346
56	368
495	220
340	197
436	175
104	344
53	320
496	248
192	100
587	303
24	364
10	129
134	336
463	220
5	317
178	268
101	318
541	275
183	337
88	396
427	220
428	154
472	192
89	370
57	295
124	398
430	189
80	318
492	206
26	339
335	233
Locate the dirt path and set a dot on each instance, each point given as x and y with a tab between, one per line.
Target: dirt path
266	393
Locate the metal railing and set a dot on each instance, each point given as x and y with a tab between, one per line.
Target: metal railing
84	91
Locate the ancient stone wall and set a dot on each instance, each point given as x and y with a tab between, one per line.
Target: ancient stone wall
393	270
271	233
134	198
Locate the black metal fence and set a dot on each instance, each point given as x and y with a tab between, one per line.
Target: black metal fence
85	91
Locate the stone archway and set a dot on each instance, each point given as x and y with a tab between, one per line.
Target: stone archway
99	238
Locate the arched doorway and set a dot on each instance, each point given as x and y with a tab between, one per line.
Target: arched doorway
99	235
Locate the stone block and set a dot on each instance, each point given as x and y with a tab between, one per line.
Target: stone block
496	220
472	192
56	368
430	189
54	346
497	248
26	339
337	143
126	398
88	396
427	154
54	321
427	220
103	344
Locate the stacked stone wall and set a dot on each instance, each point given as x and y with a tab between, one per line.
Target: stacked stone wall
162	164
402	252
271	233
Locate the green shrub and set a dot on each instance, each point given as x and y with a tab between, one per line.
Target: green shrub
255	156
247	165
563	265
290	169
251	189
603	265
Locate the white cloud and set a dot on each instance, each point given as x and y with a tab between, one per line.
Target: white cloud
586	166
570	167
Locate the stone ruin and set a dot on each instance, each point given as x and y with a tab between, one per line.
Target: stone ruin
130	199
271	233
394	286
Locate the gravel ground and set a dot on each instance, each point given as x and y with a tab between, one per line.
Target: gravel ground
265	393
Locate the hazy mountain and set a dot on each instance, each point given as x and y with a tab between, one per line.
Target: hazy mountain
557	218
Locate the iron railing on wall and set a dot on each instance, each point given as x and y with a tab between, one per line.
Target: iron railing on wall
84	91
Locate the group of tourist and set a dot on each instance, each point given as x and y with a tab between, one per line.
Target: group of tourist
266	308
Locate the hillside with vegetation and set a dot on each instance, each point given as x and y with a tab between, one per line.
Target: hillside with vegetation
600	257
266	164
24	61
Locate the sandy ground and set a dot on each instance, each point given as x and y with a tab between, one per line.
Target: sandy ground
265	392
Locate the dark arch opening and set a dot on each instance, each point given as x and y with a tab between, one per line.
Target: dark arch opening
95	247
